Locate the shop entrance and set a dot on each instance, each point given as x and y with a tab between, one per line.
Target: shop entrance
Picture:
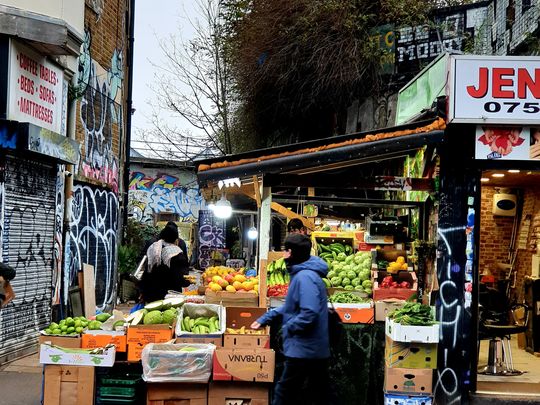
509	283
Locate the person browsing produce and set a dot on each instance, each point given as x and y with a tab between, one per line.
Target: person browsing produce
167	266
304	327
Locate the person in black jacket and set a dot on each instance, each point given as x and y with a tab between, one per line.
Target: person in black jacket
166	268
7	273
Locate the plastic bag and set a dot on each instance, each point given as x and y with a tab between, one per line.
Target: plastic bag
183	362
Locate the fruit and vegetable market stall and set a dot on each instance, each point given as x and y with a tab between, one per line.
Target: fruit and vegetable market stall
368	260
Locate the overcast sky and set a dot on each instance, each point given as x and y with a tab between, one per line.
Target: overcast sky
154	19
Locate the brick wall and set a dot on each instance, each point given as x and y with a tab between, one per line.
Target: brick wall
531	209
102	81
496	233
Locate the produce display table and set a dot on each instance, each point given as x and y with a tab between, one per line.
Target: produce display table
357	364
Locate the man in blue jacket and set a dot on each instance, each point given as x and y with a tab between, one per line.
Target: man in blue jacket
304	327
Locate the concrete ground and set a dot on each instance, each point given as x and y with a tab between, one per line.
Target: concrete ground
21	381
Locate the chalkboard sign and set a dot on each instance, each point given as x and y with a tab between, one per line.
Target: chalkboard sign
211	236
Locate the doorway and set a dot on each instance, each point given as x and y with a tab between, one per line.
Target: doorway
508	265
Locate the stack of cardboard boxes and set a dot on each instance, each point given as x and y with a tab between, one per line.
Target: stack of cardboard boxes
410	358
243	366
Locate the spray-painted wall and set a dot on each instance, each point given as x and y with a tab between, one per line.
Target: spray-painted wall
92	239
100	115
153	191
27	204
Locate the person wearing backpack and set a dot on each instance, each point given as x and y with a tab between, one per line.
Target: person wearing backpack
304	316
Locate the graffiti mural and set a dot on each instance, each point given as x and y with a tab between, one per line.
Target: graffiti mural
100	114
149	195
92	239
211	236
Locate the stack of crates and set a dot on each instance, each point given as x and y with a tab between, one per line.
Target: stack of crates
119	387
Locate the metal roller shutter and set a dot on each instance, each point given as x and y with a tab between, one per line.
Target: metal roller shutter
27	245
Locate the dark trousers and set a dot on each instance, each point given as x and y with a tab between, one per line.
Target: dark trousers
303	382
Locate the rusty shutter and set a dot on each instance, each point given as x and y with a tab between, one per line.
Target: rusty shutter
27	245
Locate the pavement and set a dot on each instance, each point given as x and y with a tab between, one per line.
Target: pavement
21	381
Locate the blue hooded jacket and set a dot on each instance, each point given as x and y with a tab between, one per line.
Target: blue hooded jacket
305	312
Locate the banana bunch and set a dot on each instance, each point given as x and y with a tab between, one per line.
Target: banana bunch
277	273
244	331
201	325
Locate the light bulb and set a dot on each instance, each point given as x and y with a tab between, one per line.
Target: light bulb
223	209
252	233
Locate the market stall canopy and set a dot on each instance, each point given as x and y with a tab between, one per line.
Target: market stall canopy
324	154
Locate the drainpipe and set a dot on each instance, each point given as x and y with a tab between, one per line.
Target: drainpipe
70	169
129	103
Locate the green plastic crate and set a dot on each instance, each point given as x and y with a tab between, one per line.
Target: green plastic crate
114	381
123	392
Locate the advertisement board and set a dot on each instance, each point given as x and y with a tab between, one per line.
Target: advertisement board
494	89
35	89
507	143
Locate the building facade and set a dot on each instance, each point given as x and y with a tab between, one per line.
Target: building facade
62	135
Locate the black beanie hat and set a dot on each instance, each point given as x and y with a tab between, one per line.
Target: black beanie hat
300	246
169	233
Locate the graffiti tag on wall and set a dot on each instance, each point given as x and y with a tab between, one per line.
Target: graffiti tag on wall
163	193
28	212
92	239
100	114
211	236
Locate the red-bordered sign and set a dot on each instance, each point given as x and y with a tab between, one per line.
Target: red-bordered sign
494	89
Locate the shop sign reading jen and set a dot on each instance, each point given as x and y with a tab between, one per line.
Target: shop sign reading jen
494	89
35	89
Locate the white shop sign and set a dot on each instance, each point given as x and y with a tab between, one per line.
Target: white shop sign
494	89
507	143
35	89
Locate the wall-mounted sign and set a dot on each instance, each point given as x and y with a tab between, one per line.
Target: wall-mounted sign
35	89
507	143
494	89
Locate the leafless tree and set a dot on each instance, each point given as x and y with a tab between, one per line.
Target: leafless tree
193	85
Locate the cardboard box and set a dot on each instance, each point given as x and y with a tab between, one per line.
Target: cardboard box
201	339
408	380
232	299
382	308
101	338
355	313
381	294
72	342
139	336
197	310
76	357
238	317
176	393
411	333
410	355
68	385
237	393
244	365
394	399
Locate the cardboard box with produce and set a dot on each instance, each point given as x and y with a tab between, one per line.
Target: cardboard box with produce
414	322
351	307
239	334
201	319
402	285
410	355
101	357
153	324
